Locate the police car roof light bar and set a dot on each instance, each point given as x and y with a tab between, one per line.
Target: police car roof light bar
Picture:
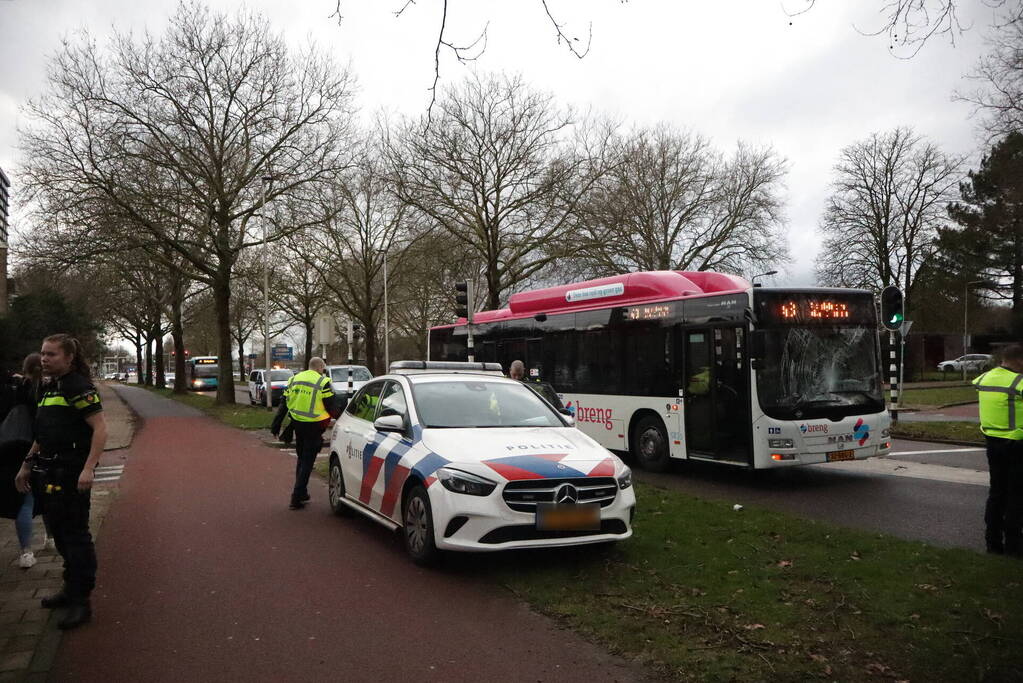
410	366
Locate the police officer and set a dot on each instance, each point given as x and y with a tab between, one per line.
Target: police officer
310	403
70	434
1000	393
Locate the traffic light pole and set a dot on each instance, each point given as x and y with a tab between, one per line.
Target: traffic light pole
893	369
351	337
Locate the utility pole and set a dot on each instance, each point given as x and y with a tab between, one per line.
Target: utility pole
267	179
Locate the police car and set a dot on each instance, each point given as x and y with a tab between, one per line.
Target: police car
458	457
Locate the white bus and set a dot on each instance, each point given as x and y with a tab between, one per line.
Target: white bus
698	365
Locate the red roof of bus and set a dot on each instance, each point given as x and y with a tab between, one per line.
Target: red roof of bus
619	290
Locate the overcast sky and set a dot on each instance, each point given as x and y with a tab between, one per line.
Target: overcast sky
730	69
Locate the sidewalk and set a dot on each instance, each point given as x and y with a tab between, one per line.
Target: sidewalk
29	636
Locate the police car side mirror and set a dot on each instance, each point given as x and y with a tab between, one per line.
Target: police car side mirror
390	423
569	419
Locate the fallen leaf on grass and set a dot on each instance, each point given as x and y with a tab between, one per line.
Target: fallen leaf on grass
926	587
785	564
993	616
818	658
753	627
855	556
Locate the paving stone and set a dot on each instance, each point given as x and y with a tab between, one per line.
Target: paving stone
16	660
27	628
9	618
19	605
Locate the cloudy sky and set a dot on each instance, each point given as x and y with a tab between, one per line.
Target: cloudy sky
730	69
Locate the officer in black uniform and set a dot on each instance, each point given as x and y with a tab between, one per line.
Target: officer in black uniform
70	436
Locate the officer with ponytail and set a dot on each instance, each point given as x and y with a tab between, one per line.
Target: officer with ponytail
70	434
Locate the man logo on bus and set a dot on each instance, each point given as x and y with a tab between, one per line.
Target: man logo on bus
861	431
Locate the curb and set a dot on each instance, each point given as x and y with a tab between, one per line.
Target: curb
979	444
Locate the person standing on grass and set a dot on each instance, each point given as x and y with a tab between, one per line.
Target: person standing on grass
1000	392
70	434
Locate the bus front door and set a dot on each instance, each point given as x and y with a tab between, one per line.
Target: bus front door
716	412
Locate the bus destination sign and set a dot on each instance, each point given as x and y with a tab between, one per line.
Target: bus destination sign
806	308
205	361
651	312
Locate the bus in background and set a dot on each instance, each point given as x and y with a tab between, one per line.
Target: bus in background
202	373
698	365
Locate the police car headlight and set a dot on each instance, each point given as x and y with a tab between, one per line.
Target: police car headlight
779	443
463	482
625	479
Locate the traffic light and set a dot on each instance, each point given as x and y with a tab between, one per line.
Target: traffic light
463	300
892	315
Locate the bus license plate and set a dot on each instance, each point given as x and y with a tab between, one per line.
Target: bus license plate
551	517
835	456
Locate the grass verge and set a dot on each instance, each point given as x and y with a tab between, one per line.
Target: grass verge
237	415
939	396
705	593
968	432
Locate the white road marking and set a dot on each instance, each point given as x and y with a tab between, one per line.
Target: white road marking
939	450
108	473
914	470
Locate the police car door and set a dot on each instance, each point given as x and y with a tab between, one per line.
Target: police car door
357	434
390	449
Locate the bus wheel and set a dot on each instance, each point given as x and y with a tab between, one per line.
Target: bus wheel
650	444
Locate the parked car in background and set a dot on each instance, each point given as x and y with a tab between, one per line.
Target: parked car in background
278	383
112	376
971	362
339	377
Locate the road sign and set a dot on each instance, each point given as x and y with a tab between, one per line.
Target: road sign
326	332
282	352
904	329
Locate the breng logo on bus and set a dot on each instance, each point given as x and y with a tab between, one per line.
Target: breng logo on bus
595	415
810	429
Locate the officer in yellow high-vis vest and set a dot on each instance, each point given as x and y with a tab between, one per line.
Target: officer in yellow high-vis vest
310	402
1000	392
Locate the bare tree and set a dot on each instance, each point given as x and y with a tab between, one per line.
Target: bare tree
909	24
888	199
999	75
213	106
672	202
363	220
497	170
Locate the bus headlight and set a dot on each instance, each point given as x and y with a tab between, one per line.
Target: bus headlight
780	443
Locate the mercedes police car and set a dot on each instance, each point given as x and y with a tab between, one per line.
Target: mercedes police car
461	458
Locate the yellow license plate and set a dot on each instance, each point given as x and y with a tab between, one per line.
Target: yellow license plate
835	456
585	517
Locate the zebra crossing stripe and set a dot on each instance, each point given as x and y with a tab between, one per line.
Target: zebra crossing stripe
108	473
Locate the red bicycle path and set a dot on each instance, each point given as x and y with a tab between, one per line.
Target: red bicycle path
204	574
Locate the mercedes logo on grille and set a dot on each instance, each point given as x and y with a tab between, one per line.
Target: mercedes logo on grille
566	494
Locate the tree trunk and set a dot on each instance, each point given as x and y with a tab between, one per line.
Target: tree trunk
241	361
140	375
149	362
161	380
370	347
222	301
178	335
1017	283
308	322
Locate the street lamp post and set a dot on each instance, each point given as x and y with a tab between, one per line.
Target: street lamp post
966	308
267	179
387	328
753	279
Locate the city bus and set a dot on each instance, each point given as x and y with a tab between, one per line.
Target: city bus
202	373
676	365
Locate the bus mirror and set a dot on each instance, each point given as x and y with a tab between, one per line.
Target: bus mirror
757	343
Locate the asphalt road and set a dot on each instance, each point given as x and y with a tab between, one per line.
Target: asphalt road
923	491
204	574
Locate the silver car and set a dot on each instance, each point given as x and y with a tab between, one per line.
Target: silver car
971	362
339	377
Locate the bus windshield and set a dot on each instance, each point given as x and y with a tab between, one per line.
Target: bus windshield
205	370
818	372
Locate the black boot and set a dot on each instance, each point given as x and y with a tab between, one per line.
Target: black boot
58	599
79	612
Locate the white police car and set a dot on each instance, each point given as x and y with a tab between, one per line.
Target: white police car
461	458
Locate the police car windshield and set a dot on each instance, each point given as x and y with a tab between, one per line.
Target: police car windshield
280	375
479	403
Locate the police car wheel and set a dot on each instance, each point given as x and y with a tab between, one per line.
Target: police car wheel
336	488
417	531
650	445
